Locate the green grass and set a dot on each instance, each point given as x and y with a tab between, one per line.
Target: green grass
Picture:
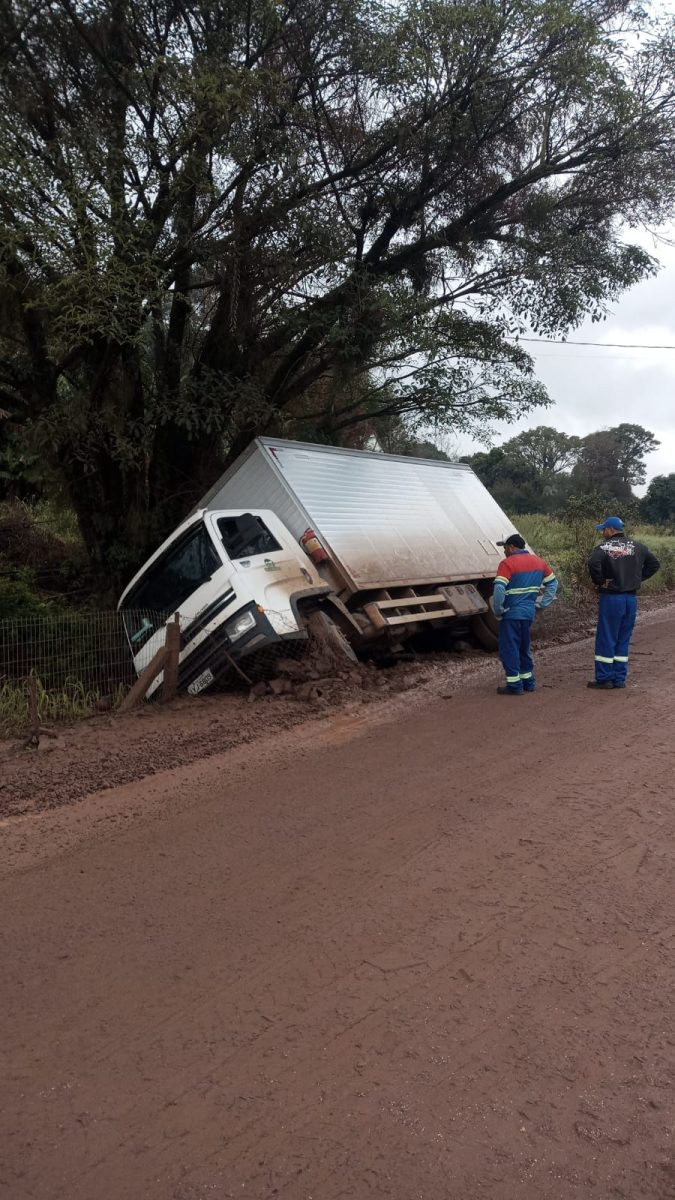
55	521
43	565
556	542
59	522
72	702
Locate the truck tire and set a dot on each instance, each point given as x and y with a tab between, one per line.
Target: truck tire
325	629
485	629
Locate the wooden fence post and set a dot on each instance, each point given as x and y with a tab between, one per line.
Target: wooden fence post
145	679
34	739
172	645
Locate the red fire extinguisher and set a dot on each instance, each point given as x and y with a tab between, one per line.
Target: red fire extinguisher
312	546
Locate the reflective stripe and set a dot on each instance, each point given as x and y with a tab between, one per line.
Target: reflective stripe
501	579
522	591
619	658
526	675
513	678
599	658
549	578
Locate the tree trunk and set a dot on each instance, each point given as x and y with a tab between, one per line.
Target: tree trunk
104	463
181	470
111	508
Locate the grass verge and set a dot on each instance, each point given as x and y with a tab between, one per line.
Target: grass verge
71	702
567	551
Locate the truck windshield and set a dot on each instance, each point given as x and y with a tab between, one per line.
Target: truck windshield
182	569
246	535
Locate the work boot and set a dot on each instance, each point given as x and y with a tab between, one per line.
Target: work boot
507	691
605	686
533	688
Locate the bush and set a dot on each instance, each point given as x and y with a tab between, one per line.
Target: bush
665	579
41	553
567	545
19	598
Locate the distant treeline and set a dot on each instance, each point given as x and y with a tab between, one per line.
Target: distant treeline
543	469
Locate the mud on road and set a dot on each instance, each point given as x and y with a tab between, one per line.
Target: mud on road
107	751
420	949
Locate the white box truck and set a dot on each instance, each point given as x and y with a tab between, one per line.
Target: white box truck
376	547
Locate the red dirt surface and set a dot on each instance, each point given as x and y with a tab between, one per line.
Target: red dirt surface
107	751
421	951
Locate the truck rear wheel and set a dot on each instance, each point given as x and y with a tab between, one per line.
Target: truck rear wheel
485	629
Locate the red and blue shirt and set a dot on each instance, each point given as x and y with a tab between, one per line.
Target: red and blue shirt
520	579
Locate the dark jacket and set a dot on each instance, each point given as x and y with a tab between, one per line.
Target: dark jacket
620	564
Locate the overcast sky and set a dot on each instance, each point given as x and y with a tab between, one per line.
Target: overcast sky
594	388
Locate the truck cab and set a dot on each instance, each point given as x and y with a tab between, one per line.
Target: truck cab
235	578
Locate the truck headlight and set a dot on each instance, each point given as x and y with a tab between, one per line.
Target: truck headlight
240	625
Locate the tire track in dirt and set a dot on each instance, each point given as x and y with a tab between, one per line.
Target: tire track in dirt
282	1059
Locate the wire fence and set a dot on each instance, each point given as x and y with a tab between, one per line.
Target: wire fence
81	662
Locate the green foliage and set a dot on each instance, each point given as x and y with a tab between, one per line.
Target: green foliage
658	506
634	442
42	561
545	470
21	473
528	472
611	461
566	544
665	580
72	702
306	219
57	522
581	515
399	441
548	451
19	596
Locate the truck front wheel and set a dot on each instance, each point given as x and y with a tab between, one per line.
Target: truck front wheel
326	632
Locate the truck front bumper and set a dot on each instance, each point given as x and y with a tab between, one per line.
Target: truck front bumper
215	654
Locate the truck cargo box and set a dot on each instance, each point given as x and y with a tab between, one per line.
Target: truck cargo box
385	520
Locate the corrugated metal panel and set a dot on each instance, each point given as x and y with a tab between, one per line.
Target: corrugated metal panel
391	519
253	481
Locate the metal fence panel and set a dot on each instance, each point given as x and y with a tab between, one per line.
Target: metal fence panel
81	661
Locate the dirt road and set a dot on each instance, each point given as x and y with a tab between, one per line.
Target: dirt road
429	957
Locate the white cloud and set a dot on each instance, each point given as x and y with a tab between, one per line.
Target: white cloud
594	388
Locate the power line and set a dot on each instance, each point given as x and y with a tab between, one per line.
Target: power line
609	345
589	357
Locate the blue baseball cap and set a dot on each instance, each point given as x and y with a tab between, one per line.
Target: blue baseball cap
611	523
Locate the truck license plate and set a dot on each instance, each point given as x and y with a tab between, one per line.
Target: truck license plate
200	682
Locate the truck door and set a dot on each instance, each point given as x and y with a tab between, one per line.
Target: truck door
267	561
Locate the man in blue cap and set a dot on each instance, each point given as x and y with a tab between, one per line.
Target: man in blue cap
617	567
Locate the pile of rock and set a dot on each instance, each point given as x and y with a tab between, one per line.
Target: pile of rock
312	681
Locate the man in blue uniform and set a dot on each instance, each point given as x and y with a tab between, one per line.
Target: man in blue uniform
516	596
617	567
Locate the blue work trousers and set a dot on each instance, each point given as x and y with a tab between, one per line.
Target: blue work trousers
514	651
616	621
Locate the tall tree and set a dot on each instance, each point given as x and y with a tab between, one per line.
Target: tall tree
530	472
658	505
209	210
548	451
612	461
634	444
513	482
